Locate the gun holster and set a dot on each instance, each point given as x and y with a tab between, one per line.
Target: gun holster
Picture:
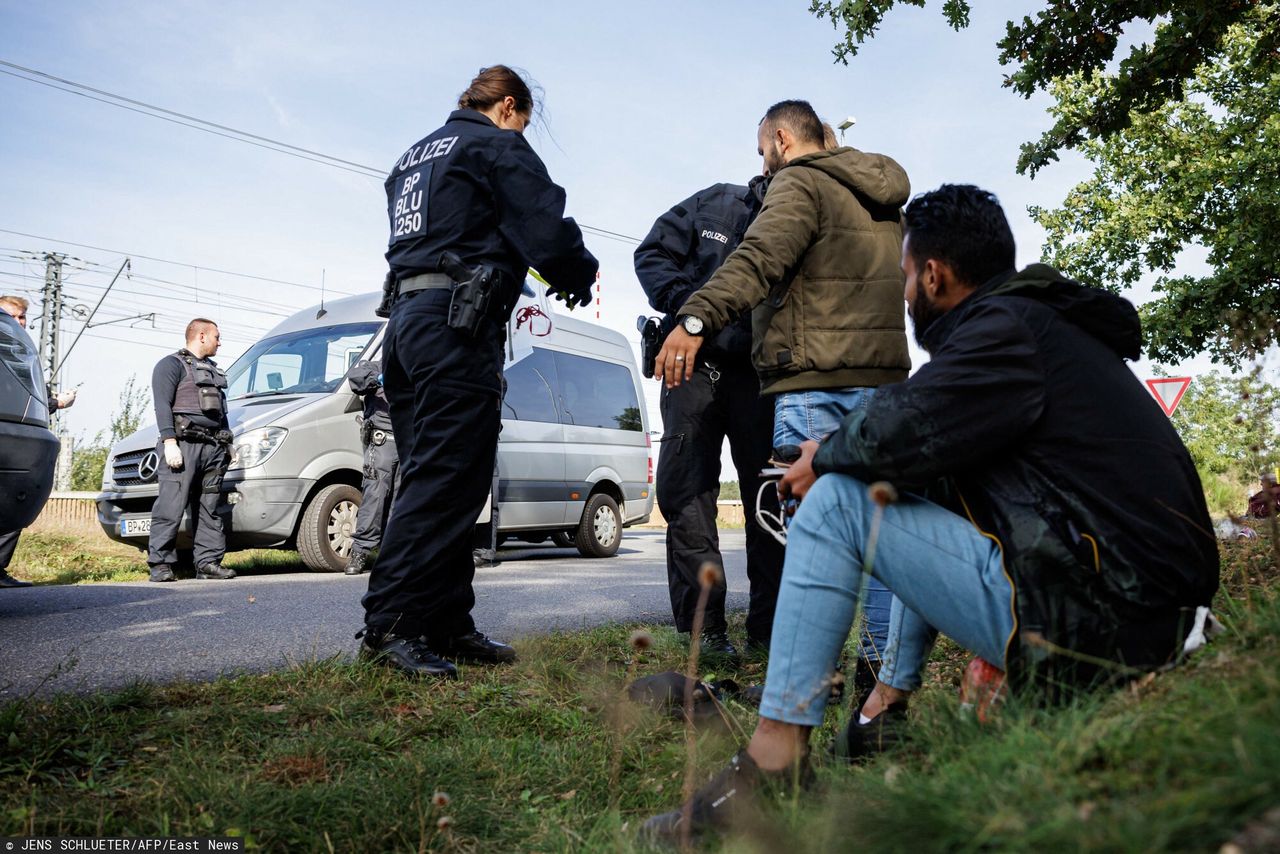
475	293
390	290
651	338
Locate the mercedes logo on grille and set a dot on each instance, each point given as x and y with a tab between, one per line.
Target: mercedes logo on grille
148	465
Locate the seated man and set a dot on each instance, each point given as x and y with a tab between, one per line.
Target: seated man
1069	542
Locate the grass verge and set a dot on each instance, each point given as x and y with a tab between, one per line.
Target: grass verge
545	756
54	557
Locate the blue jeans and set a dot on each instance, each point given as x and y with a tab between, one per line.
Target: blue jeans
801	415
943	572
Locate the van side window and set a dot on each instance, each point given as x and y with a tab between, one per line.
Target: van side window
529	383
597	394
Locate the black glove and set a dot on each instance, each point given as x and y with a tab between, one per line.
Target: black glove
572	299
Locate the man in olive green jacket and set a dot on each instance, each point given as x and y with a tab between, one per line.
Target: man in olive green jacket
819	271
818	268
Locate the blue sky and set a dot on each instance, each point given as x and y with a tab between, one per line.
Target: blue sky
646	103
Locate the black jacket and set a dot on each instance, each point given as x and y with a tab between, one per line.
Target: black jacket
1046	440
687	244
481	192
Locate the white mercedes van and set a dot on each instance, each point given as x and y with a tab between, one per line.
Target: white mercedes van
574	458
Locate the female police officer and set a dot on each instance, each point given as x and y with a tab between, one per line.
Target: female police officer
476	190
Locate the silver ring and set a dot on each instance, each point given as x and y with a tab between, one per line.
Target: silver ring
679	358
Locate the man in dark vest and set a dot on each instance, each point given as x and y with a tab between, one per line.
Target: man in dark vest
190	398
381	464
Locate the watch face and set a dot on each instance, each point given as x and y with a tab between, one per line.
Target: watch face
692	325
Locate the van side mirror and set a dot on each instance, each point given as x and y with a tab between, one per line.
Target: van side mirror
275	381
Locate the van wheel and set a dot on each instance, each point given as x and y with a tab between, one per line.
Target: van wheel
563	539
328	523
600	531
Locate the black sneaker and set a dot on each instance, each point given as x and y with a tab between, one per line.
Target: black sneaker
474	648
716	644
215	571
359	563
163	573
726	798
410	656
859	742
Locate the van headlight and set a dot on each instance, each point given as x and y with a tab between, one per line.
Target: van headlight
255	447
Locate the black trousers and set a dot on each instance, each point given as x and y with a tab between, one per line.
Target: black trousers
8	544
444	388
377	493
196	487
722	400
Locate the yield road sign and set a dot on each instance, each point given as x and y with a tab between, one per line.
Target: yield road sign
1168	391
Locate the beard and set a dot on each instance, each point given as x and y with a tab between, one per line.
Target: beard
923	313
773	160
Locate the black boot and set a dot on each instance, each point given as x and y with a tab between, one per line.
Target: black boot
7	580
163	573
410	656
216	571
358	563
474	648
716	645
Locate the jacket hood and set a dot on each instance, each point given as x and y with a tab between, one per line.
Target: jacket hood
874	176
1111	319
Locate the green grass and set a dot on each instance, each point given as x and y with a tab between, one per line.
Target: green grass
84	557
545	756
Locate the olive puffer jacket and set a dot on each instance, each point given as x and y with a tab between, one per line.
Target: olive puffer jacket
819	269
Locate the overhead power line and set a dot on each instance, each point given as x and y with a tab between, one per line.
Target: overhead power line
190	121
225	131
186	264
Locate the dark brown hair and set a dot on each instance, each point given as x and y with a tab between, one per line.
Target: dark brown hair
496	82
199	325
797	117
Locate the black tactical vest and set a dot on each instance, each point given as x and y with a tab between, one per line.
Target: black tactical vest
201	390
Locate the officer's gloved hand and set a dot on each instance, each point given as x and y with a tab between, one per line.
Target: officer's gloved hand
66	398
173	455
572	299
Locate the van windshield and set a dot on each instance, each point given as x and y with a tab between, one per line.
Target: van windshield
308	361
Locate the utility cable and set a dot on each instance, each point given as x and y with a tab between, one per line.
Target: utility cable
189	266
225	131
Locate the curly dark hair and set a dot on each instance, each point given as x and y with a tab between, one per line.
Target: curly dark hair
962	226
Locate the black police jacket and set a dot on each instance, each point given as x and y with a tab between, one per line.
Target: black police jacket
688	243
1049	444
366	381
483	194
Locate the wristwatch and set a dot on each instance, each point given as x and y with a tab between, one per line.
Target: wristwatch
692	325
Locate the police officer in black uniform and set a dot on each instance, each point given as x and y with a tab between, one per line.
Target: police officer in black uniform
678	256
190	397
471	207
381	464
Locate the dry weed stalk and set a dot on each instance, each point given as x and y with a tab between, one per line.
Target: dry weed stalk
708	576
641	641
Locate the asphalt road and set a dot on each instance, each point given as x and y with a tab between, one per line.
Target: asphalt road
98	636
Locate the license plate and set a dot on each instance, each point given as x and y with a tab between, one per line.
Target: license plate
135	527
